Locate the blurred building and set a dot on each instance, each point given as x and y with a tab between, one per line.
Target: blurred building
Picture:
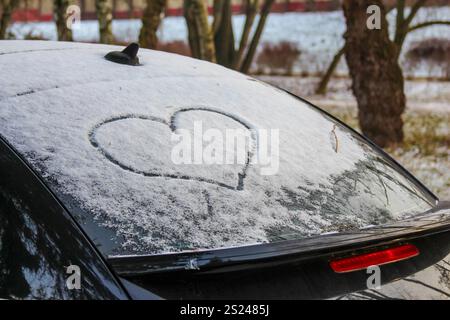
42	10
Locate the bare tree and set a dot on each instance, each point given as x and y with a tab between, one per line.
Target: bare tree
242	57
226	53
267	5
7	8
60	17
223	32
377	79
104	17
322	87
130	8
403	26
251	9
151	18
200	34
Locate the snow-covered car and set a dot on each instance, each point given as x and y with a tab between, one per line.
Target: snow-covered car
102	196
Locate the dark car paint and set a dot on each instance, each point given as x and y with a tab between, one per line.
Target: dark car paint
39	240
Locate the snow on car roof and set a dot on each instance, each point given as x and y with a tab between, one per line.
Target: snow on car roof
99	133
46	65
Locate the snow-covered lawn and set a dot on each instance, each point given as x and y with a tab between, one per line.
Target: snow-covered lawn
427	123
433	96
317	34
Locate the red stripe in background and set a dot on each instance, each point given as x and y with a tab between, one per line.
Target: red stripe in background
33	15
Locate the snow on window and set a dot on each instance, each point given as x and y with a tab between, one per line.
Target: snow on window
100	136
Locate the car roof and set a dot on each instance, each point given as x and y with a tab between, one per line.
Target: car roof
46	65
99	133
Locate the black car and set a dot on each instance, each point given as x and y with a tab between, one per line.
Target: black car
100	199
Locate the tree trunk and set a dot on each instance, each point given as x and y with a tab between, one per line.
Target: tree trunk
200	34
223	33
151	18
322	87
251	8
104	17
8	6
60	17
246	64
377	80
130	9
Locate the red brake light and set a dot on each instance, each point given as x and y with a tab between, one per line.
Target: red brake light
364	261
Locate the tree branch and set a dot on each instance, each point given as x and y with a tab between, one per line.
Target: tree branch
322	87
217	15
400	13
251	9
427	24
256	36
414	9
400	27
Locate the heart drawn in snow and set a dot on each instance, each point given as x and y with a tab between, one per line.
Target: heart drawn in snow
142	144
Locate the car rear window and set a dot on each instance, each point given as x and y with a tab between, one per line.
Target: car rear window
107	150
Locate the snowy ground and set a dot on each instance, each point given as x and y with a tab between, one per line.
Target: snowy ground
317	34
427	123
433	96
